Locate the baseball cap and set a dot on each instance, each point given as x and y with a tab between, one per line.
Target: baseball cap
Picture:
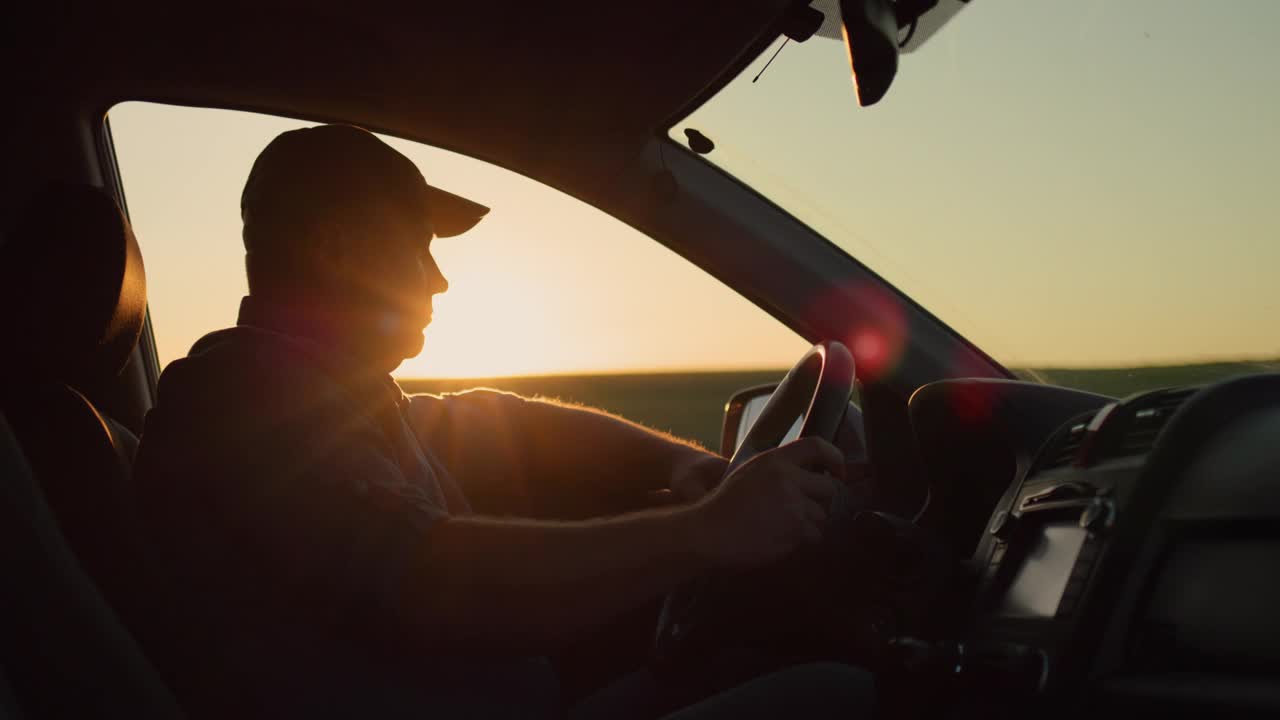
336	167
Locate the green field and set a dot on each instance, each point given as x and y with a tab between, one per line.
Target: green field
691	404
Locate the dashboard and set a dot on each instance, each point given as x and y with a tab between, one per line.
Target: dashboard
1123	554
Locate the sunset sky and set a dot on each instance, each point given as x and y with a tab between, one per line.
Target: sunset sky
544	284
1065	183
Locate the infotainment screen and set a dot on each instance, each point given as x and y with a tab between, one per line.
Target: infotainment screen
1037	588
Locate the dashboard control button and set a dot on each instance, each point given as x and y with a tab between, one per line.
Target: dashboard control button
1002	526
1098	515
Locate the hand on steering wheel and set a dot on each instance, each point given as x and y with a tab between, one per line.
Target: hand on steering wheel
767	507
770	502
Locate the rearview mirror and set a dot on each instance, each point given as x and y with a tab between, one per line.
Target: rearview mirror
876	31
871	40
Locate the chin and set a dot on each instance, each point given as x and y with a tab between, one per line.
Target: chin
411	347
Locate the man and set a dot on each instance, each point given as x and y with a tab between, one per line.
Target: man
316	550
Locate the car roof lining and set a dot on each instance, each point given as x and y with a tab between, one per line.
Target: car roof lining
568	93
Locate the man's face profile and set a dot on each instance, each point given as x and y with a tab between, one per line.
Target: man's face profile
382	268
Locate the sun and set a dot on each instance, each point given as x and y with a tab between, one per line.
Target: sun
492	322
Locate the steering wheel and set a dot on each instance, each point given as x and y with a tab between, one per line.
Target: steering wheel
816	392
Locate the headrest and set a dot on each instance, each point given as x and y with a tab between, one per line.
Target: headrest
72	286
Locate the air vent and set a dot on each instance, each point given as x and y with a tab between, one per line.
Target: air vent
1065	447
1147	416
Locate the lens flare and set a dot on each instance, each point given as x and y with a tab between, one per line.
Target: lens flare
879	333
973	403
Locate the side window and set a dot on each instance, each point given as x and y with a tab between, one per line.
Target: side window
548	296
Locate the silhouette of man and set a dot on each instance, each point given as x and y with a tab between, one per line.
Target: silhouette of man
314	545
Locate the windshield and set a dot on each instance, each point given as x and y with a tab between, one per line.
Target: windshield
1070	185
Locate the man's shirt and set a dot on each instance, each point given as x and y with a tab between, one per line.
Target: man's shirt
284	497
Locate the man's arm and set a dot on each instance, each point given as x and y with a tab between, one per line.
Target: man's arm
484	434
492	585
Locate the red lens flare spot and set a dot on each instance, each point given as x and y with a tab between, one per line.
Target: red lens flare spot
869	347
877	325
879	335
974	403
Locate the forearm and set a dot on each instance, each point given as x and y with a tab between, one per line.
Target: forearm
576	444
480	434
522	586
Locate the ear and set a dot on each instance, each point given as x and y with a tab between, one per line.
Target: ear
335	241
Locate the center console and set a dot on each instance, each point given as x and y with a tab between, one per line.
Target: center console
1038	560
1126	561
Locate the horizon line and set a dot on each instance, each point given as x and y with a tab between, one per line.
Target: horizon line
605	372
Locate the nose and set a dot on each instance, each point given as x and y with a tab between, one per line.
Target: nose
437	283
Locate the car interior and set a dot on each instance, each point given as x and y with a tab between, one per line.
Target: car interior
1009	547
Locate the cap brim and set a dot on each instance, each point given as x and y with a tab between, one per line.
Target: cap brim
451	214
